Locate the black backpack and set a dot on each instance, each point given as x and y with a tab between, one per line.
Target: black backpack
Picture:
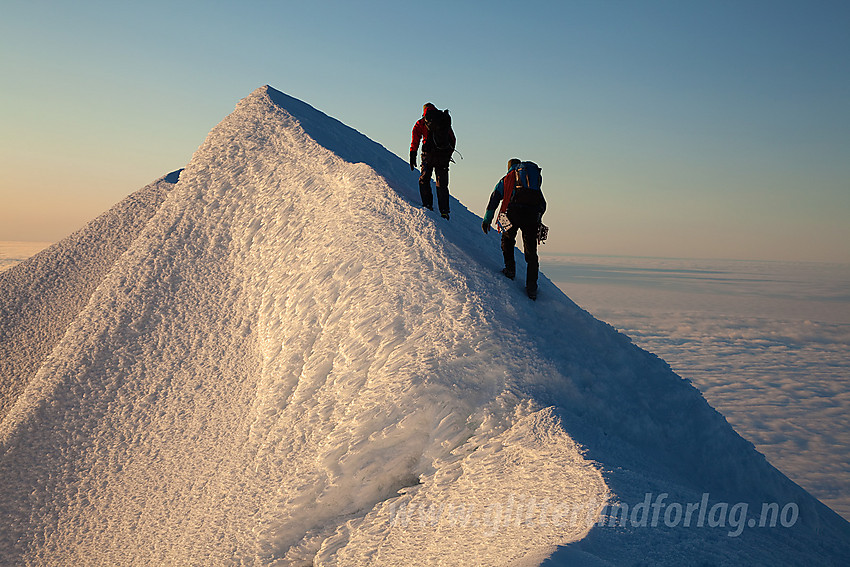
527	193
439	124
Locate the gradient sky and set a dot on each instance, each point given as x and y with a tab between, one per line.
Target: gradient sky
684	128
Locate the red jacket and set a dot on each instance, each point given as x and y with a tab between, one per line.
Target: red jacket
420	132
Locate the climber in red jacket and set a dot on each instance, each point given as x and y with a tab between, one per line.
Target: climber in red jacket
434	129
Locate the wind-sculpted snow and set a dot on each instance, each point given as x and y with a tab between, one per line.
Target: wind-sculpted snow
42	296
293	364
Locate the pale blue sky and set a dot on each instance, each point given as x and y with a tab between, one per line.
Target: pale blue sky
664	128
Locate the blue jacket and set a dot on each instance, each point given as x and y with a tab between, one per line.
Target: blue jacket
500	188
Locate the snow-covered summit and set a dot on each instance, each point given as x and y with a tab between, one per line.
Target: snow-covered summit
279	358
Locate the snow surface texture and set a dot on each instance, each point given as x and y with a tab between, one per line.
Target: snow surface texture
289	362
44	295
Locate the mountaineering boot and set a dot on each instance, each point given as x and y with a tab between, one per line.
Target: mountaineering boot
445	215
532	293
508	273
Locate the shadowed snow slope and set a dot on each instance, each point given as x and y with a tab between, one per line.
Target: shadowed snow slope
281	359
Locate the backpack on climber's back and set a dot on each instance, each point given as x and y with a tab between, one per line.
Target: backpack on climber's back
439	124
527	192
528	175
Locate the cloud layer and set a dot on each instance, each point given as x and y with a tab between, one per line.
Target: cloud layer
767	343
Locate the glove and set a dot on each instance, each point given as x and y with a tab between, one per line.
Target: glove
412	160
488	218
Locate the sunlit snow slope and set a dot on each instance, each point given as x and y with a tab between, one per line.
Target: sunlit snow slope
280	358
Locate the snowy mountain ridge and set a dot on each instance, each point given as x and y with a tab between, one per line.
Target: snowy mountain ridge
284	360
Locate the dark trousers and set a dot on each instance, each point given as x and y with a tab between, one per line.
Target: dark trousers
442	186
529	246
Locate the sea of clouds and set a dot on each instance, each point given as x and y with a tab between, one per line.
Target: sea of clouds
768	344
